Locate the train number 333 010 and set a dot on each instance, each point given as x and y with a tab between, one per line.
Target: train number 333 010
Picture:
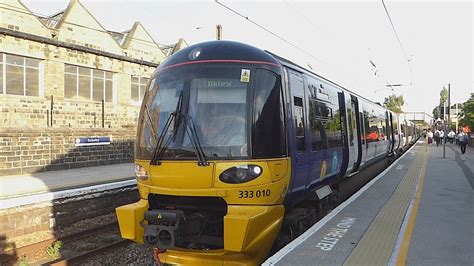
254	194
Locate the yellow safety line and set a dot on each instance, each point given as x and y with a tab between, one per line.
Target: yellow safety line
403	253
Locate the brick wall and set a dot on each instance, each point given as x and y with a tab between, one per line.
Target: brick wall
36	150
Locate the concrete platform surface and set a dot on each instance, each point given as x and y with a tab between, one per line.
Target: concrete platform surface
419	211
29	184
443	232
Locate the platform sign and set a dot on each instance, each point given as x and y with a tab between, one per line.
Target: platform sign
93	141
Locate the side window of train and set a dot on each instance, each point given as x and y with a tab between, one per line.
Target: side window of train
375	132
318	133
362	123
324	116
297	90
351	121
319	116
366	125
395	125
268	116
334	128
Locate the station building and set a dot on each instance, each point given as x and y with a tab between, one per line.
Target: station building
64	80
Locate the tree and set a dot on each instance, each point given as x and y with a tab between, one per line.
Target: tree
443	96
438	111
394	103
467	113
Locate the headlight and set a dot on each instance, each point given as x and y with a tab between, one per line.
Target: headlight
140	172
241	174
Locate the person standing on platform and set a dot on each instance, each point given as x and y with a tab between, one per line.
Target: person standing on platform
436	137
463	139
430	136
451	136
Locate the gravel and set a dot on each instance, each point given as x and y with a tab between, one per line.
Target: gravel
131	254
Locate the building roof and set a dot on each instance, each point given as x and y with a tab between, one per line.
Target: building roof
53	20
169	49
119	37
124	39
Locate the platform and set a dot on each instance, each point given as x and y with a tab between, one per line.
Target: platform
31	188
419	211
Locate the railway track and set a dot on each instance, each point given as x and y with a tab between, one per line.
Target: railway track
89	254
72	250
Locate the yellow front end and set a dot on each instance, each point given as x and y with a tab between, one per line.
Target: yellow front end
254	209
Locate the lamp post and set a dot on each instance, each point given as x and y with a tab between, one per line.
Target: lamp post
219	32
444	130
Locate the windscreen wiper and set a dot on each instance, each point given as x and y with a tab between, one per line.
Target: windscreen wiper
192	134
162	145
190	128
157	152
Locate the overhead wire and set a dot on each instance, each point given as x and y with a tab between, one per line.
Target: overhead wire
270	32
399	41
315	26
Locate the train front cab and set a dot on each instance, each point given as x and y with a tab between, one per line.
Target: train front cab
228	208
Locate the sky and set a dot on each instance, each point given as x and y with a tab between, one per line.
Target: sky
336	39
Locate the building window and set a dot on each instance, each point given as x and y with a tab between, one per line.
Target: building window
19	75
138	89
86	84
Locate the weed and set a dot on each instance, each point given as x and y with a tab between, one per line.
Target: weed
53	250
23	262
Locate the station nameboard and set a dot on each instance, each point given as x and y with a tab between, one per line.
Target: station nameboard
93	141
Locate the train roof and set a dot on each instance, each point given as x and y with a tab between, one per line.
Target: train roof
231	50
291	64
219	50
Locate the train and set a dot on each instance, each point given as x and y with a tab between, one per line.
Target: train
239	150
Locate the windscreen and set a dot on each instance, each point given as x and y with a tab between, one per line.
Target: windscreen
212	103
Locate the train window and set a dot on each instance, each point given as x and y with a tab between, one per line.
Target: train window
374	132
366	126
361	120
213	102
299	123
268	119
333	130
325	126
318	132
395	125
351	123
297	89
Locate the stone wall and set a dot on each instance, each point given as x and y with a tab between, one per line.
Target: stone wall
36	150
34	112
37	133
47	217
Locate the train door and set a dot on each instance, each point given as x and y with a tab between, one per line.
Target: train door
388	132
300	154
363	123
405	133
354	135
350	150
392	132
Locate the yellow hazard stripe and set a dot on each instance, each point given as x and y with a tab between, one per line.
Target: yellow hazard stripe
405	245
